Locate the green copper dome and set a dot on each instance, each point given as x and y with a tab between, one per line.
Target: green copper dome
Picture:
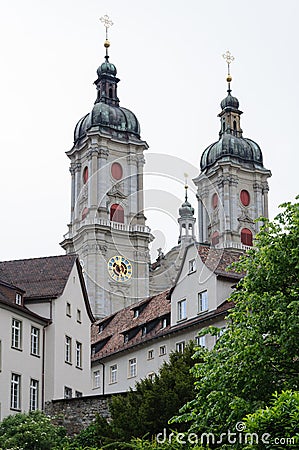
232	148
106	113
231	145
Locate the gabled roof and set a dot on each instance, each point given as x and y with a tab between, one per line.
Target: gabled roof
43	278
39	277
123	322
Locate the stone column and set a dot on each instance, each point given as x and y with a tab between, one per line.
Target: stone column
233	203
265	203
92	182
140	193
102	182
257	187
132	186
72	171
78	178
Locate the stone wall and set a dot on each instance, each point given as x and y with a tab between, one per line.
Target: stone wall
75	414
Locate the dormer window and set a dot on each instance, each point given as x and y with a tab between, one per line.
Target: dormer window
136	313
18	299
101	328
126	338
144	331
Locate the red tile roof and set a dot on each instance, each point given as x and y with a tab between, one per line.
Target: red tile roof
7	296
39	277
218	260
152	310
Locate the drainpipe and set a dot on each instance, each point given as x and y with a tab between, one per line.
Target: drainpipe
103	393
43	367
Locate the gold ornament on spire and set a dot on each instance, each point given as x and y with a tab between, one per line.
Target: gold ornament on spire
186	186
229	58
107	22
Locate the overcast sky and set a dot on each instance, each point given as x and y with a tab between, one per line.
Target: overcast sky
168	55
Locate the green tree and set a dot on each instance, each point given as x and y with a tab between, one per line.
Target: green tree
277	425
258	354
33	431
147	409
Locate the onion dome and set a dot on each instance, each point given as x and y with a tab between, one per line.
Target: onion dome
107	68
186	210
230	102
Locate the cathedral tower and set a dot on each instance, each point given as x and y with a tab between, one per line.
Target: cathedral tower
107	228
232	187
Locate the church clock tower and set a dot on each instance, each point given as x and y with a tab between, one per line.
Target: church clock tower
107	228
232	188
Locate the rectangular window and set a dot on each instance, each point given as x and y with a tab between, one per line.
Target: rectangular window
132	367
68	309
15	391
164	323
68	392
182	310
150	354
200	341
34	344
151	376
78	394
33	395
192	266
68	349
96	379
16	334
203	301
162	350
113	373
180	346
18	299
79	316
78	354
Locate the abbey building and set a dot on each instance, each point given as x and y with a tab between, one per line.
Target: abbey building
140	310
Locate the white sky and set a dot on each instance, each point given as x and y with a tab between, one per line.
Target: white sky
168	56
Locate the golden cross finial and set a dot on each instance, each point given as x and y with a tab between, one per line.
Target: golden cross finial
229	58
107	22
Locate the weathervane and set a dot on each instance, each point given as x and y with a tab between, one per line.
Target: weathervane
107	22
229	58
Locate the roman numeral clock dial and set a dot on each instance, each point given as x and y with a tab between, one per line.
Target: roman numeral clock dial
119	268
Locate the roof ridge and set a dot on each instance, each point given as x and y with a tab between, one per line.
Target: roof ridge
74	255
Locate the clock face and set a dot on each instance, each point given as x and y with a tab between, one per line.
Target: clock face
119	268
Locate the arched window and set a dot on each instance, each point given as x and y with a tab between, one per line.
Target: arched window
117	171
110	92
117	213
245	197
85	175
215	238
235	125
246	237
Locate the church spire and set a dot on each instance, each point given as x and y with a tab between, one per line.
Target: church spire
186	219
107	81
